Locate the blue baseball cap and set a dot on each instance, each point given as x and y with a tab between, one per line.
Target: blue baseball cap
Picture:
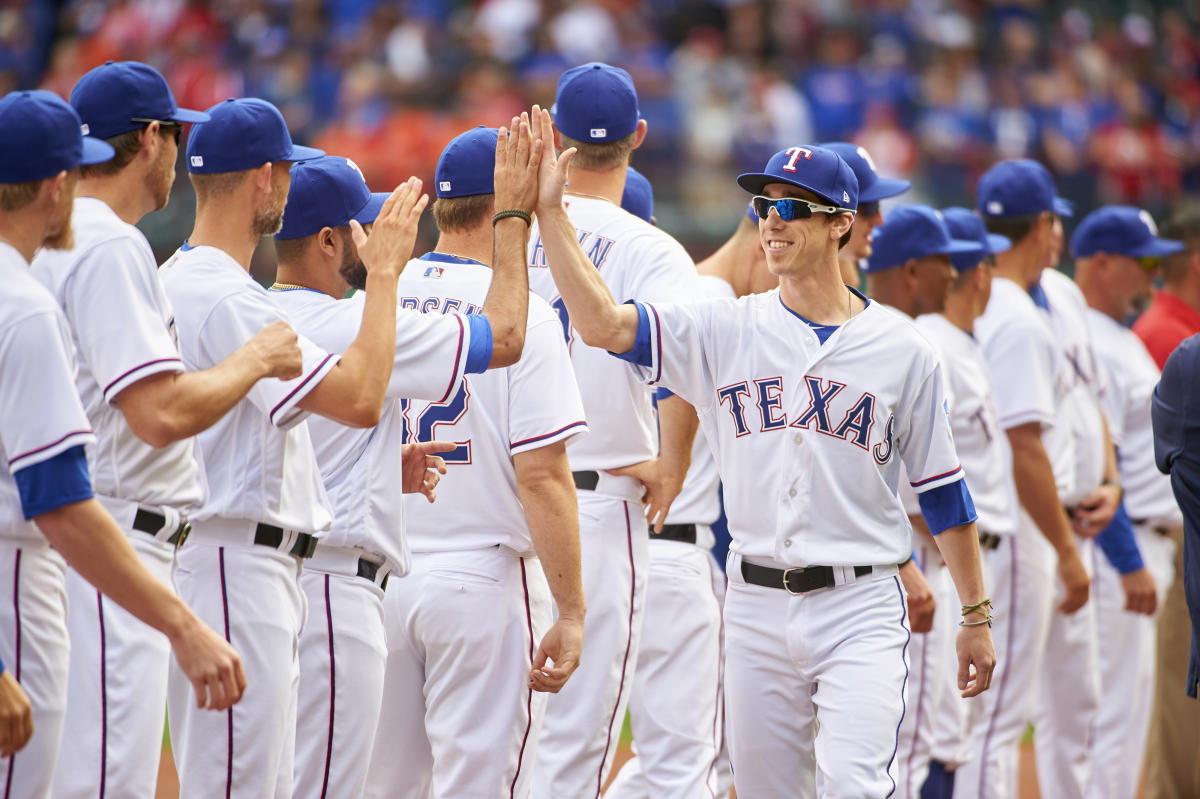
328	192
40	136
638	198
242	134
1120	230
817	169
913	231
871	187
595	102
1019	187
965	224
468	164
110	97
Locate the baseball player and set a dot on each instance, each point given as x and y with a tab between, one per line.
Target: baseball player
1026	369
596	111
1116	249
871	190
814	615
343	645
48	514
909	272
144	409
471	628
241	565
676	697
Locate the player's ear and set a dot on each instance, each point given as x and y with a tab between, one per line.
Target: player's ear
261	175
327	240
54	186
639	134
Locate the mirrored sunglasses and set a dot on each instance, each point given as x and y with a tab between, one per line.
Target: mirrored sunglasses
790	208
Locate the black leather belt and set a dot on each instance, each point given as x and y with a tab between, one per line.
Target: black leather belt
153	522
586	481
368	570
795	581
675	532
268	535
988	540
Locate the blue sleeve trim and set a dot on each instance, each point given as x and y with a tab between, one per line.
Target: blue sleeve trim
479	355
1119	545
53	483
641	354
947	506
661	394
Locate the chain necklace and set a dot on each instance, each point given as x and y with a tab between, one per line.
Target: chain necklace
286	286
593	196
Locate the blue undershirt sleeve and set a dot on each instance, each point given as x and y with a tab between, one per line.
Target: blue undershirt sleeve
54	482
641	354
947	506
661	394
479	355
1118	543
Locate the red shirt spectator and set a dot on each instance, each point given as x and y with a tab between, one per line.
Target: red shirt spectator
1175	313
1168	321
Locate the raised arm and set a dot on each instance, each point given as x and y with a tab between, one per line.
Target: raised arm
353	392
518	159
548	495
169	406
595	315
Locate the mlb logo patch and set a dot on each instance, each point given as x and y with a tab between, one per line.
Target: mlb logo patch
995	207
84	129
196	160
434	271
599	133
444	186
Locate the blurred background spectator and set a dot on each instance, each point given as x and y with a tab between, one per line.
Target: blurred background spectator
1106	93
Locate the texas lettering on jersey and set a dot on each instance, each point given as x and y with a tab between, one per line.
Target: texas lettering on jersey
595	246
827	410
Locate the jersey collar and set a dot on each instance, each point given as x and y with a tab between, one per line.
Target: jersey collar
446	258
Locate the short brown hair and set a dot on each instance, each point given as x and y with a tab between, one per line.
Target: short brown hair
1015	228
127	145
291	250
217	186
1184	225
458	214
15	196
600	156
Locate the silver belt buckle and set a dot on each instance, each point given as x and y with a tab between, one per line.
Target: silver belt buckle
786	572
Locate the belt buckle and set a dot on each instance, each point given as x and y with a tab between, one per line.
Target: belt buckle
786	587
181	534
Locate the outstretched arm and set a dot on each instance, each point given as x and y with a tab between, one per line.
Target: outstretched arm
595	315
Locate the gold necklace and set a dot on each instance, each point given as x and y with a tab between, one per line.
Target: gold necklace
593	196
286	286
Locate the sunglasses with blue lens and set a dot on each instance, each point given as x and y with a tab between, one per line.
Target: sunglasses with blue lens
790	208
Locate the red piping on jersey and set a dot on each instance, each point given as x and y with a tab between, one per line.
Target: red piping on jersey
920	483
457	358
12	761
903	685
912	752
624	661
332	690
136	368
225	611
657	342
302	384
516	444
103	697
48	446
512	789
711	780
1008	647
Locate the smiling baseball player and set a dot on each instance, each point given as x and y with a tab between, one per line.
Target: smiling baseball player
626	455
473	620
241	565
815	615
1116	250
48	514
144	409
343	647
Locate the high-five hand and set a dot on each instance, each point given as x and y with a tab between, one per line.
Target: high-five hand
390	245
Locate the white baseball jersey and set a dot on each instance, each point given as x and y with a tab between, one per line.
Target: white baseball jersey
258	459
494	416
808	436
637	261
698	502
362	467
1132	376
1085	383
1025	368
123	330
982	445
40	413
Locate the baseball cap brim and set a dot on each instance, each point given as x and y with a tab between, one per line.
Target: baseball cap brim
755	182
302	153
960	247
1156	247
997	243
370	212
883	188
1064	207
188	115
96	151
